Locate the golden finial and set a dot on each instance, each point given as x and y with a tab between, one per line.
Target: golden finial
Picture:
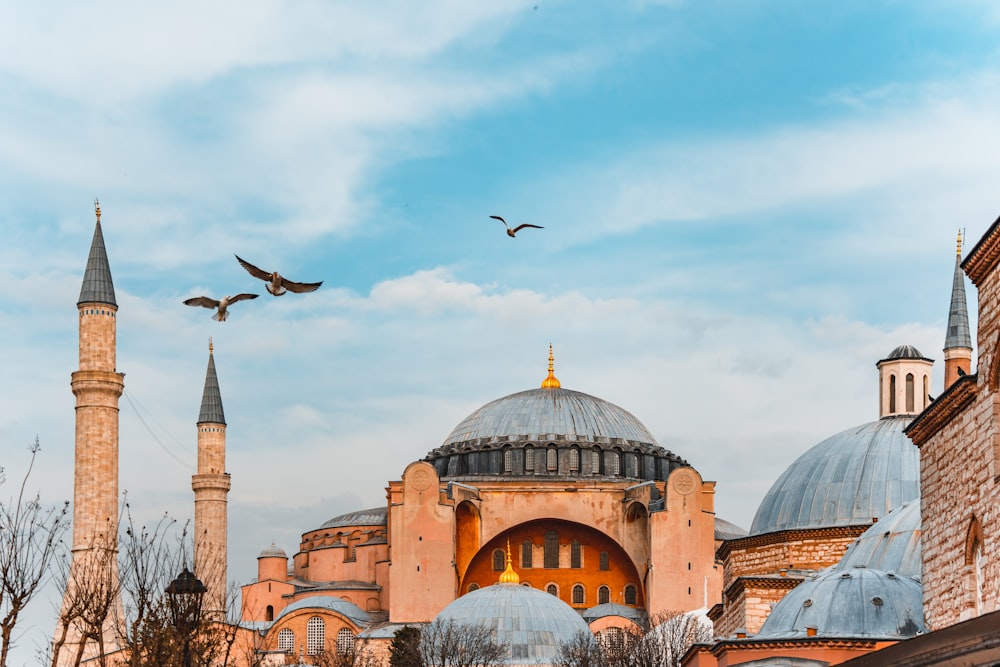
509	576
959	251
97	209
551	382
210	345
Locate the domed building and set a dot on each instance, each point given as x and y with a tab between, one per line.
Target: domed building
599	518
825	499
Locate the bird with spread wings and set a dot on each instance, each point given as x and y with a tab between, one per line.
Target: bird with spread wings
221	306
275	283
511	232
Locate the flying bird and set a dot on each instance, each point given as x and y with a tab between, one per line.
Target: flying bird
222	305
276	283
511	232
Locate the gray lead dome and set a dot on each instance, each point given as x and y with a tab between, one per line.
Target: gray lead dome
846	480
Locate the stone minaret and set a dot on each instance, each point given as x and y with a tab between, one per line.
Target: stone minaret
97	386
211	488
958	341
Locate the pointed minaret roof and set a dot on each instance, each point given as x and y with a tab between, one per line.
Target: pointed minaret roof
958	317
97	285
551	382
211	399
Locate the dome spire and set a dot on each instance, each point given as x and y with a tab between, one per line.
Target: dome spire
509	576
551	382
958	338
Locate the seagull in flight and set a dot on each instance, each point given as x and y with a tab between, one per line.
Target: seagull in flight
222	305
511	232
276	283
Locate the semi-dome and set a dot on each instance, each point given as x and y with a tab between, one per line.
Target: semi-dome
892	544
856	603
533	625
848	479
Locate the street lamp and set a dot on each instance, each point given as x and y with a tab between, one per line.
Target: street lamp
184	594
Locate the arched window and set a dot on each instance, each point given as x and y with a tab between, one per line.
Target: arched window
473	587
595	461
909	392
574	460
575	556
605	564
552	589
578	594
529	458
630	595
315	636
974	564
616	464
526	553
508	460
551	459
926	393
603	595
892	393
345	642
551	548
286	640
499	561
269	613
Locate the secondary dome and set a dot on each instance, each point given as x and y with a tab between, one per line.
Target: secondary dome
891	545
856	603
846	480
533	625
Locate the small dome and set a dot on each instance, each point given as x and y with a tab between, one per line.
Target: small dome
375	516
273	552
891	545
531	623
846	480
905	352
857	603
611	609
336	605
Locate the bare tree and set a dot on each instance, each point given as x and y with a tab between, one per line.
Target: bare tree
448	643
662	645
30	536
672	634
582	651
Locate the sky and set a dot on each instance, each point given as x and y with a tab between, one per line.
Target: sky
745	206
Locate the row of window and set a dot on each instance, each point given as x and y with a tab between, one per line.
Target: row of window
550	555
552	460
579	593
316	638
910	407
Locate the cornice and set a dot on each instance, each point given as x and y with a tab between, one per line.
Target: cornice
785	536
940	413
983	258
804	642
740	584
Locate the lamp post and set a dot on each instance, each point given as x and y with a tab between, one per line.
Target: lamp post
184	594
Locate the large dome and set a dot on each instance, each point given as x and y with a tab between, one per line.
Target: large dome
846	480
531	623
608	440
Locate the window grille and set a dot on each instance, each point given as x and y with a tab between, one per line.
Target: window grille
315	635
574	460
575	556
605	561
603	595
529	458
551	549
286	640
345	642
508	460
615	464
595	461
526	554
630	595
578	597
473	587
552	459
499	562
552	589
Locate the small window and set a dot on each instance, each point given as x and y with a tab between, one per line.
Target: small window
499	562
552	589
578	596
630	595
473	587
529	458
574	460
345	642
909	392
575	557
315	635
892	393
616	464
595	461
603	595
269	613
551	459
286	640
508	460
526	553
605	564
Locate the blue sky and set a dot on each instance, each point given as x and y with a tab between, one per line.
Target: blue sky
746	205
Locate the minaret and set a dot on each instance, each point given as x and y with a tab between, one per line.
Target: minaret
958	341
211	488
97	386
